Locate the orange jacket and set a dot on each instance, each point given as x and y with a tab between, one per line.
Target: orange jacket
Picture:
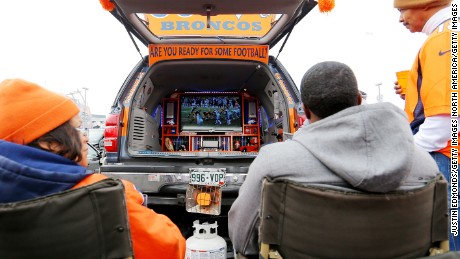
433	79
153	235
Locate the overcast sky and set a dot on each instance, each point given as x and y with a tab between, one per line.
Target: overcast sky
68	45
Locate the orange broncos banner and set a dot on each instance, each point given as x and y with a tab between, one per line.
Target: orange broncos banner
252	25
241	52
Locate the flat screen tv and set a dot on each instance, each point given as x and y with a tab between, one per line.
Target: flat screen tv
210	113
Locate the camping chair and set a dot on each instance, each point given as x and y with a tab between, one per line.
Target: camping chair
299	221
88	222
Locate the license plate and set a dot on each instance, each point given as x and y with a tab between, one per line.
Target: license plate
209	177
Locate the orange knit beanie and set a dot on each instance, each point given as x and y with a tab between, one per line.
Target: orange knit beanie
28	111
407	4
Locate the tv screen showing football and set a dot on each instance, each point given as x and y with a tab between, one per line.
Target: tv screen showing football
210	113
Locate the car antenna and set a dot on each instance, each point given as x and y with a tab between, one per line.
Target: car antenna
287	37
134	42
123	20
208	9
249	77
306	8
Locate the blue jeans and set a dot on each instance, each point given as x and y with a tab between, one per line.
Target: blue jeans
443	163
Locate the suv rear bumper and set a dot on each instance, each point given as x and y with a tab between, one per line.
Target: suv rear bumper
170	188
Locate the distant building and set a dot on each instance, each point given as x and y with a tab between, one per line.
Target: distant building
364	96
90	120
97	121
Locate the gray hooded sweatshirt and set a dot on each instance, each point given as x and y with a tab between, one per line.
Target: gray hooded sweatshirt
367	147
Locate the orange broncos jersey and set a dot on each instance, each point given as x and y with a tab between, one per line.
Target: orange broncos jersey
153	235
428	90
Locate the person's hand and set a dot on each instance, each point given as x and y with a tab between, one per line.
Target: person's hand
398	90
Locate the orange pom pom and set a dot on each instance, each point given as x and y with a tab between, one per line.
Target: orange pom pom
107	5
326	5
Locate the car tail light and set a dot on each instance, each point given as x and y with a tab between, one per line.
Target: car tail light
300	120
111	133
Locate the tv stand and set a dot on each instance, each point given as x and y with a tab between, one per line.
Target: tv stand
246	140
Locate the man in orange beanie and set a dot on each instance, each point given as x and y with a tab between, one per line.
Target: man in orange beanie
428	91
42	152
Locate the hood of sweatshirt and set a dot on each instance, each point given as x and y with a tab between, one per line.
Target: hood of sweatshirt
27	172
370	146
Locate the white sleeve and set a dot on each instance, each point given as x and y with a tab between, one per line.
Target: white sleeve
434	133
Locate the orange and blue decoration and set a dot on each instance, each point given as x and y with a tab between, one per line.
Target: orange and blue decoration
326	6
107	5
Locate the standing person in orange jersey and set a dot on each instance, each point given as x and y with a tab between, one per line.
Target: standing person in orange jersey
428	90
42	152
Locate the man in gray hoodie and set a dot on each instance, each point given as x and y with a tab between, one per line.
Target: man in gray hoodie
364	147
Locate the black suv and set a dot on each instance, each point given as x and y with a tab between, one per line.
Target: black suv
207	96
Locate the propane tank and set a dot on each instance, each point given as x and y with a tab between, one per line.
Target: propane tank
205	243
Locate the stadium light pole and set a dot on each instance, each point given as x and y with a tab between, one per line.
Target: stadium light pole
85	121
379	97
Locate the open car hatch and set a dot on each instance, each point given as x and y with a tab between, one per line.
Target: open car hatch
211	21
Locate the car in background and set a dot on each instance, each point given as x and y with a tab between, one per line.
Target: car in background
94	158
96	138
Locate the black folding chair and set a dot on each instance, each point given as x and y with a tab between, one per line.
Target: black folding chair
88	222
300	221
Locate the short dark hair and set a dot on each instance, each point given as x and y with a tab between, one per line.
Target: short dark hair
329	87
66	137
